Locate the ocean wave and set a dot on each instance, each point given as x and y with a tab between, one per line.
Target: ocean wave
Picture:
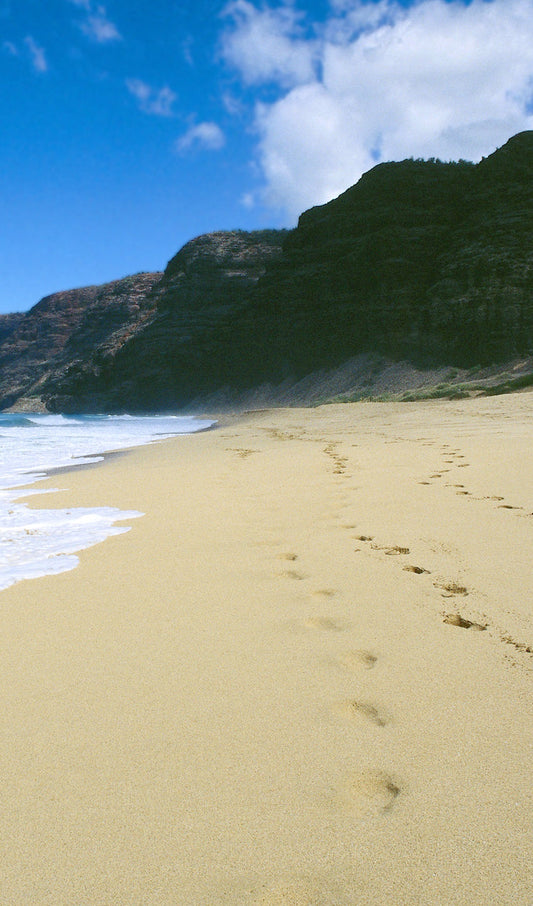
15	421
36	542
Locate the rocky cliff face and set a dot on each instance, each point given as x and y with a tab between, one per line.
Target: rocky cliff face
422	261
8	323
65	329
185	346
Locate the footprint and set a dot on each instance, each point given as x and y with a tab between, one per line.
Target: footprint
293	574
416	569
390	551
452	588
325	592
288	556
520	646
242	452
355	660
326	624
355	710
370	792
364	537
455	619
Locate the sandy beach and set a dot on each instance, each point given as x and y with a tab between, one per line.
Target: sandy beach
303	678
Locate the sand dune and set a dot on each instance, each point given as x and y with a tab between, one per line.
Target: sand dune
303	678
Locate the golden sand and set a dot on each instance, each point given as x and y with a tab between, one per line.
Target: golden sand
303	678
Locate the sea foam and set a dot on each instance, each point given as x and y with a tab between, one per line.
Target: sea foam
38	542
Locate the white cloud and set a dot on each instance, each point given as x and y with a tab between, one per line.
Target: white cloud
37	54
99	28
31	50
267	44
203	135
10	48
440	79
96	25
155	102
350	19
233	105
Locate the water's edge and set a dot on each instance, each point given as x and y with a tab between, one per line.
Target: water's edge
39	542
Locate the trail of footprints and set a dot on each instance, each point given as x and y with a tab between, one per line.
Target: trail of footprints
365	792
339	462
451	458
372	792
368	792
447	589
450	590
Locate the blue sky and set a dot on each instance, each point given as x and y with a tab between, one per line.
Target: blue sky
131	126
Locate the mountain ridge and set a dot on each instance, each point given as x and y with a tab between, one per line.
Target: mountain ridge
424	262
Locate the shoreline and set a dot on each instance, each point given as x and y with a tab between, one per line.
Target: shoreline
103	456
33	545
253	696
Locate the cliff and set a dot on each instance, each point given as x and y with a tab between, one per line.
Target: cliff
184	347
421	260
66	328
425	262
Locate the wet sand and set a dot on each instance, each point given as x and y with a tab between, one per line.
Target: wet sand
303	678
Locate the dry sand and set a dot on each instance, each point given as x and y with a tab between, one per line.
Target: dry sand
269	691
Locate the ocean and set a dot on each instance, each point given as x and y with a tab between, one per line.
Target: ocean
40	542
